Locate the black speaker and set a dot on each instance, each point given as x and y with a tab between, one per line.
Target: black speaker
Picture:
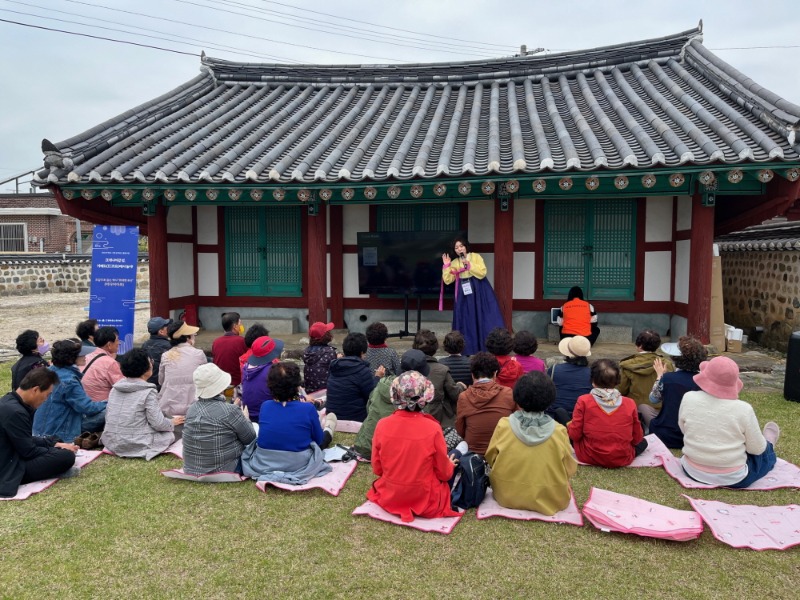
791	384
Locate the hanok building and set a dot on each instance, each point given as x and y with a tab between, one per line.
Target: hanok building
609	168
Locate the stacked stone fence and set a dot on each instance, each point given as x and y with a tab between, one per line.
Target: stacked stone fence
22	274
761	294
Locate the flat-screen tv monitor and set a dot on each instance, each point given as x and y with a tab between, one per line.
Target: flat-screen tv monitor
402	262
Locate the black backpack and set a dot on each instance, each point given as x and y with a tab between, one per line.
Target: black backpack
471	480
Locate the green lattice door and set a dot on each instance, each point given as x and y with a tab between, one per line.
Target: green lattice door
419	217
591	244
263	251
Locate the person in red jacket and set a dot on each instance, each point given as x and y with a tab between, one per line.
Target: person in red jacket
578	317
500	343
227	348
409	455
605	429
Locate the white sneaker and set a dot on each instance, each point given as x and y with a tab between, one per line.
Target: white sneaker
772	432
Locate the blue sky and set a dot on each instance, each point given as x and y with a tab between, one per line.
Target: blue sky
54	85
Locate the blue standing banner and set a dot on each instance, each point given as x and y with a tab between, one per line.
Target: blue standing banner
112	299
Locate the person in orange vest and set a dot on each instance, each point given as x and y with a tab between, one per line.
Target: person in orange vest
578	317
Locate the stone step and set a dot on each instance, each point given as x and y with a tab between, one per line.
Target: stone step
275	326
609	334
440	328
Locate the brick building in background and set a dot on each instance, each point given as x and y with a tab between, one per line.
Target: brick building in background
34	223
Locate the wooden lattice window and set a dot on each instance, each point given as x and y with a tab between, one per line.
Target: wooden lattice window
263	251
591	244
419	217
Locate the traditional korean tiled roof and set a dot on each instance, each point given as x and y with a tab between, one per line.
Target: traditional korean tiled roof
772	235
663	102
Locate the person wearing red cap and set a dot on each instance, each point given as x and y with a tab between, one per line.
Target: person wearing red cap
318	357
722	442
255	391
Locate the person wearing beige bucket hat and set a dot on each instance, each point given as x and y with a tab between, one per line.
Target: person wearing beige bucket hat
177	366
571	378
216	432
722	442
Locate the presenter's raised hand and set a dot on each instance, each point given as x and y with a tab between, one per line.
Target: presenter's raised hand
445	258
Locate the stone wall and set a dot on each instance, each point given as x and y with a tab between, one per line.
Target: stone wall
54	274
762	289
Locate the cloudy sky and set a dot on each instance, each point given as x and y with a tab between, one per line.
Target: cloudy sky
54	85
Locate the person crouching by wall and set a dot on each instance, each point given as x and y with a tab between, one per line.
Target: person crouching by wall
605	428
216	432
530	454
578	317
409	456
290	436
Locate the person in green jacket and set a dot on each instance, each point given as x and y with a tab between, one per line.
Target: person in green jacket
380	404
637	374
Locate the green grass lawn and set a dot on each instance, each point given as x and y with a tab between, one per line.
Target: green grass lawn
121	530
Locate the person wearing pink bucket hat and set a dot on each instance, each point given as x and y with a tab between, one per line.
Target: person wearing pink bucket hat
722	442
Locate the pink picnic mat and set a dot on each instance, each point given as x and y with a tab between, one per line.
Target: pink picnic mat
443	525
783	475
490	508
609	511
218	477
755	527
348	427
651	457
332	482
82	458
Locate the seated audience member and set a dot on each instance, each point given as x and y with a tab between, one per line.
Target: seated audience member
637	372
722	442
578	317
255	331
157	344
351	381
409	456
605	428
318	356
669	388
32	348
85	331
571	378
378	353
380	400
500	343
216	432
255	390
62	414
443	406
483	403
458	364
102	369
525	344
290	438
227	348
530	454
176	372
25	458
135	425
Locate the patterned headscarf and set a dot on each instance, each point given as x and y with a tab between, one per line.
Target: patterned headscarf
411	390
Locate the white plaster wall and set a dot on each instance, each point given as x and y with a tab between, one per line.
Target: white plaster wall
355	218
489	260
350	273
684	220
657	275
524	275
207	225
207	273
328	275
181	269
525	220
179	219
682	258
658	220
481	222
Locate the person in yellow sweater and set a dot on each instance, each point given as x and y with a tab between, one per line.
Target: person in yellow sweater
530	454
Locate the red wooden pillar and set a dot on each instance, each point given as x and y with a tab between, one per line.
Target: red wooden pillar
336	213
159	263
504	259
317	267
701	252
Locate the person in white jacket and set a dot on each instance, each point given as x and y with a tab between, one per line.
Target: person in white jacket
177	367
